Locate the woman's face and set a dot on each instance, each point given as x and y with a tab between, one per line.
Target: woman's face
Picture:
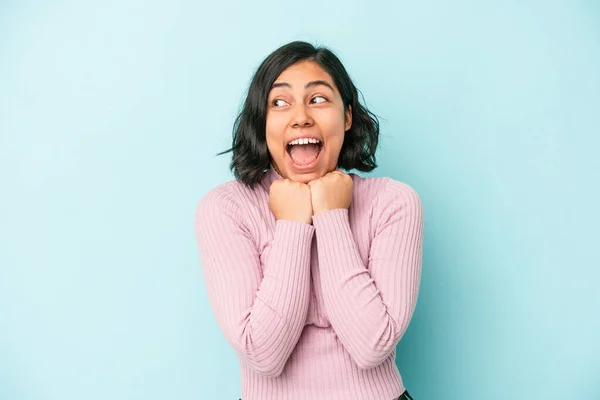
306	122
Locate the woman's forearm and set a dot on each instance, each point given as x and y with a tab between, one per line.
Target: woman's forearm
261	312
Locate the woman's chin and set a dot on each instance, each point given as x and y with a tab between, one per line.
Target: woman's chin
306	176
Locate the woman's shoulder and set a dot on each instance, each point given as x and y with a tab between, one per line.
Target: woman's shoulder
232	195
386	195
381	185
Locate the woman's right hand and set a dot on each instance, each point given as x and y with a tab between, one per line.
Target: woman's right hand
291	201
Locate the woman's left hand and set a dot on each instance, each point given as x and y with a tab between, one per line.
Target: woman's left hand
330	192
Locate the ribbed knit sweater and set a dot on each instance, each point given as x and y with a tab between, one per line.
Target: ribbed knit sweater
313	311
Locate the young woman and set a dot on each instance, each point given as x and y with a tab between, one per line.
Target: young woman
312	273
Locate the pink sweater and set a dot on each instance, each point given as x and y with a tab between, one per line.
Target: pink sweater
313	311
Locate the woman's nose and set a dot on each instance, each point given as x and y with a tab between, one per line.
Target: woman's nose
301	117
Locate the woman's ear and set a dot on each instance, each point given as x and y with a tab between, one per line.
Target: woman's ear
348	119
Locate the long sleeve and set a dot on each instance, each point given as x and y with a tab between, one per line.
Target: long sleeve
370	308
261	313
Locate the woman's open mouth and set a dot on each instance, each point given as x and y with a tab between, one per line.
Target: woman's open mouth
304	152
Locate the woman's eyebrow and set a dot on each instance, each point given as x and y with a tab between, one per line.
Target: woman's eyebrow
318	83
308	85
281	84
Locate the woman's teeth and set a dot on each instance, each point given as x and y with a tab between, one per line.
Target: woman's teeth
304	141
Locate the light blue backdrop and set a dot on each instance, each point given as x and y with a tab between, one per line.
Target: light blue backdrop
111	113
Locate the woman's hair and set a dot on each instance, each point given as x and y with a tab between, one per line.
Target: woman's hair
250	154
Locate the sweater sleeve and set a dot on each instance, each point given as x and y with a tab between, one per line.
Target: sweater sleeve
261	314
370	308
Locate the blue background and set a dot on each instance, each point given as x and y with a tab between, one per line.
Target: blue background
111	114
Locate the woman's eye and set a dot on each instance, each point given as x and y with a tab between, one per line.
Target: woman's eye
318	99
279	103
